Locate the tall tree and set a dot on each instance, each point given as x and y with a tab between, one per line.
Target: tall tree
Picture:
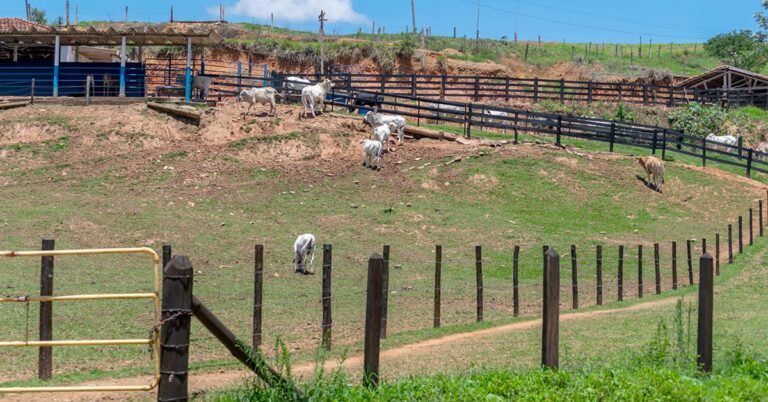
37	15
743	49
761	18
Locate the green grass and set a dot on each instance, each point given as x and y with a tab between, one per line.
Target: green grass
265	139
497	200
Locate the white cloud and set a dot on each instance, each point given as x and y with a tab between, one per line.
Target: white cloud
298	10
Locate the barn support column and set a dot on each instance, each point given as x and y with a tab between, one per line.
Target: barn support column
15	53
56	50
122	67
202	61
188	74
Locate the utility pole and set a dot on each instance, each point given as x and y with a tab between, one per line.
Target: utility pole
413	15
26	7
272	21
517	19
322	20
126	14
67	11
477	37
171	13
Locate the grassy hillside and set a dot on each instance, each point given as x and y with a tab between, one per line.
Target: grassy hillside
605	58
122	176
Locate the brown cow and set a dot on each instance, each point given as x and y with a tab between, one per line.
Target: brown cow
654	169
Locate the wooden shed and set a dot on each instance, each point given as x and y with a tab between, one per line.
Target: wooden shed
729	86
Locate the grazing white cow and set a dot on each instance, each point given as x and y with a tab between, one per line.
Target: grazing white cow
372	149
313	96
654	169
302	248
259	95
376	119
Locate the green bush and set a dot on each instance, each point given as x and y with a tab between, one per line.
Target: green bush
624	114
406	47
696	119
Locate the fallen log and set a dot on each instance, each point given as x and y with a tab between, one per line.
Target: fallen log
176	111
11	105
434	134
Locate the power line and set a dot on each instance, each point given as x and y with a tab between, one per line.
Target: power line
503	10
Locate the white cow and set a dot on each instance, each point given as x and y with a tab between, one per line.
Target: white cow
312	97
723	139
382	133
494	115
376	119
302	248
372	149
202	84
259	95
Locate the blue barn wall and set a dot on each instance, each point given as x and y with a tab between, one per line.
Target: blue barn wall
16	78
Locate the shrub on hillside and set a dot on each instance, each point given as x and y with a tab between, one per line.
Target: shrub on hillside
696	119
405	48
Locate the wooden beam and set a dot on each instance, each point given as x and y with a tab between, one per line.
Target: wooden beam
176	111
11	105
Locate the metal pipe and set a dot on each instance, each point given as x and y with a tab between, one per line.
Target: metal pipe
188	73
99	388
56	50
122	67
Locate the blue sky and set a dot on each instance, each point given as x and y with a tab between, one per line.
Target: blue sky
555	20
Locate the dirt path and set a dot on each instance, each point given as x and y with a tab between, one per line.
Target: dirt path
207	381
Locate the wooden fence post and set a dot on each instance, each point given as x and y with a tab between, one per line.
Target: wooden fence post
599	257
384	291
574	278
639	270
717	254
730	243
515	282
562	91
373	322
706	307
174	333
751	235
690	262
258	298
167	254
477	89
664	145
703	151
612	137
674	265
620	287
536	89
479	281
559	129
327	276
657	269
741	235
749	163
438	269
760	219
551	315
655	140
589	92
45	353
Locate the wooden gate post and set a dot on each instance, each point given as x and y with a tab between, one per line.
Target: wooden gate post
656	268
674	265
479	281
373	322
438	268
599	256
751	231
327	326
45	353
384	291
515	282
574	278
174	332
620	287
706	307
551	315
258	298
760	219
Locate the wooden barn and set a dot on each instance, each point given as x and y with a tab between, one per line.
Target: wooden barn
730	86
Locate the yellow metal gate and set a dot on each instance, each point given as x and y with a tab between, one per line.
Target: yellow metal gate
153	341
